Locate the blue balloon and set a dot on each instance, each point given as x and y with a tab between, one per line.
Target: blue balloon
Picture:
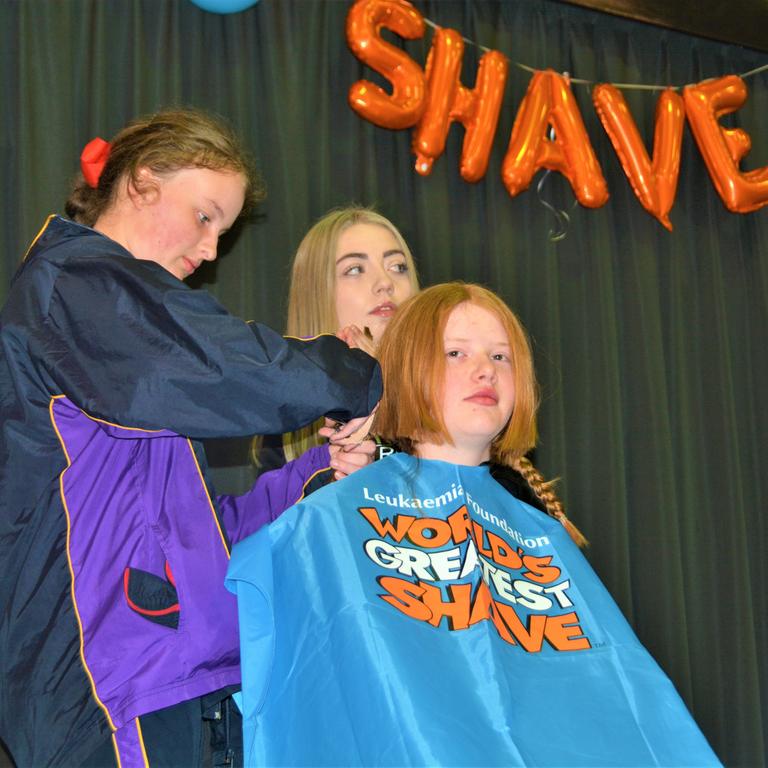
224	6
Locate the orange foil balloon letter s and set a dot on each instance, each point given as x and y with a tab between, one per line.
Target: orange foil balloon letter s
406	104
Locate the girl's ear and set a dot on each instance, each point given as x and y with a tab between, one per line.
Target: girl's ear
144	188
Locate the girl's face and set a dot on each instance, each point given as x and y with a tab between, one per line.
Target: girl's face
478	392
185	214
372	278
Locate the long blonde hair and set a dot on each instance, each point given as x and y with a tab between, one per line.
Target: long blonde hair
413	365
312	295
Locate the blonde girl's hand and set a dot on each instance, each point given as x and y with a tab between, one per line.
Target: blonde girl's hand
353	337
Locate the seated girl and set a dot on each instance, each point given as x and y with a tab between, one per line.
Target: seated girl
417	614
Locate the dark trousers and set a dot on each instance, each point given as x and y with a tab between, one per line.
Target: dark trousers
199	733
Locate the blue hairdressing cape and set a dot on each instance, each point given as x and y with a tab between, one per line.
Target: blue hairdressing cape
417	614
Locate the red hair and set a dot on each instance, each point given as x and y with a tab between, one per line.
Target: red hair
413	363
412	357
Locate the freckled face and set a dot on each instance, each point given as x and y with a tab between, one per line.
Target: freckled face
192	208
372	278
479	389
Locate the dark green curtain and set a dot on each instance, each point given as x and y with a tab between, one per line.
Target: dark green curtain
650	345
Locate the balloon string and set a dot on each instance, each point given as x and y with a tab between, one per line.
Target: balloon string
562	218
579	81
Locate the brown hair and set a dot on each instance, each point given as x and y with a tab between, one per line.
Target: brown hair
164	142
413	366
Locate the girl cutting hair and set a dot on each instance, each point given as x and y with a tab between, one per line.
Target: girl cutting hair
118	641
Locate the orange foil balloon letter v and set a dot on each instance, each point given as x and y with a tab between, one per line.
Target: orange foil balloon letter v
654	183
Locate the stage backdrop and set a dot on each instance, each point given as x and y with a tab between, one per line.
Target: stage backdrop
650	345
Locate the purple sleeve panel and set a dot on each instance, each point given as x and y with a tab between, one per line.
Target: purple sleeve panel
271	494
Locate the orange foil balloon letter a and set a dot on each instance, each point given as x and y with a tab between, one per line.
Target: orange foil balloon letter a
405	106
448	101
549	101
655	184
723	148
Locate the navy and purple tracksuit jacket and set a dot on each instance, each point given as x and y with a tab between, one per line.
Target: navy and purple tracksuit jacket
113	549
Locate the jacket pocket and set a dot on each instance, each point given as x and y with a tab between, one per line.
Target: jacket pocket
153	597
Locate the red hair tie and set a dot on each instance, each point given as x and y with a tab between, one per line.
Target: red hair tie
93	158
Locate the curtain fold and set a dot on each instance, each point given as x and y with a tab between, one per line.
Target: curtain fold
650	346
